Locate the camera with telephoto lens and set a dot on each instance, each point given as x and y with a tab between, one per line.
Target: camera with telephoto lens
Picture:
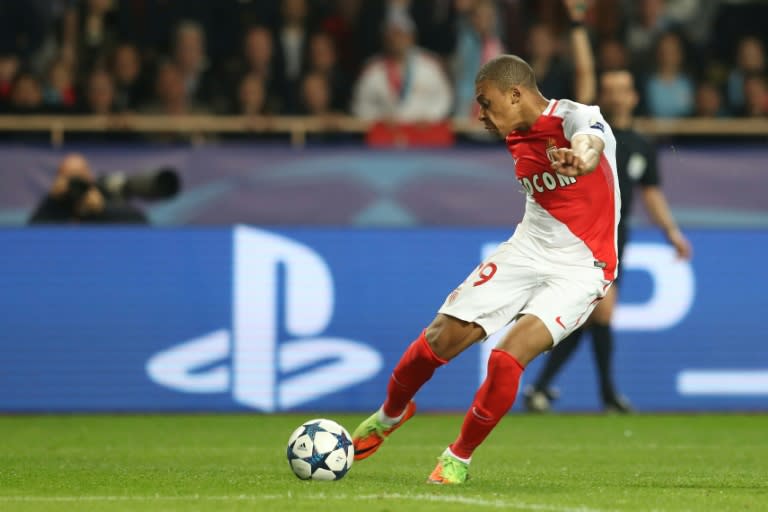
76	190
118	187
162	183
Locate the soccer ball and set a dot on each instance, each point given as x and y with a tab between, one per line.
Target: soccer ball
320	449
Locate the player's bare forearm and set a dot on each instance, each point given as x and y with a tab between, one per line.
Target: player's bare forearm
588	148
581	158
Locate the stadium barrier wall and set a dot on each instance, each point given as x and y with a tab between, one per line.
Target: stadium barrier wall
299	128
263	320
356	186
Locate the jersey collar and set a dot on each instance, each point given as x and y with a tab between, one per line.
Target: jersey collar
548	111
550	108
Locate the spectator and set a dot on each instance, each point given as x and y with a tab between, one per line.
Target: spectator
292	40
463	9
170	90
437	22
9	66
68	56
546	12
171	100
322	60
316	95
130	87
258	13
649	22
251	95
435	19
405	83
258	51
258	59
606	19
316	101
750	58
77	35
373	14
709	102
669	91
755	96
343	25
478	42
100	93
612	55
23	26
59	91
27	95
191	61
98	29
694	17
554	75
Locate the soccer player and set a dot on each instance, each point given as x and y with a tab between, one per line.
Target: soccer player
548	276
636	160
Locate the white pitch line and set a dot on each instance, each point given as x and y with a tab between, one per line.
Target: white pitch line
464	500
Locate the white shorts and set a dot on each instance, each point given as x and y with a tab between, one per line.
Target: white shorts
513	281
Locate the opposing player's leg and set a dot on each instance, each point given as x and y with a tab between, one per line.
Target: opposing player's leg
445	338
558	307
602	345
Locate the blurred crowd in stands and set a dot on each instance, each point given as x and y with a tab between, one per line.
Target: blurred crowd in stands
412	59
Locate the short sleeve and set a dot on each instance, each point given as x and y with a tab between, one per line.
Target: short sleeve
650	177
585	120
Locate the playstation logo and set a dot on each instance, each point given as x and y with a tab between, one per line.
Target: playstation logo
280	289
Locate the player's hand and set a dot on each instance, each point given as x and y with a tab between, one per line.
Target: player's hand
577	9
92	202
60	186
565	162
680	243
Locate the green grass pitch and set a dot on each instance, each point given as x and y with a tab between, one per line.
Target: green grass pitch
237	462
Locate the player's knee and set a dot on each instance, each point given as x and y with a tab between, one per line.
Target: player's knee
438	337
526	340
524	351
448	337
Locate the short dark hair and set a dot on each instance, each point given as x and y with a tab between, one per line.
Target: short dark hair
507	71
617	71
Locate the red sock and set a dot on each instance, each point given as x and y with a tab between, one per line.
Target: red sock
414	369
492	401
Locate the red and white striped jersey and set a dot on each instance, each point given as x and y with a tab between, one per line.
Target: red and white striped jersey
568	220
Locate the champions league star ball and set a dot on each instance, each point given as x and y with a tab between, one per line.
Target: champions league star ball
320	449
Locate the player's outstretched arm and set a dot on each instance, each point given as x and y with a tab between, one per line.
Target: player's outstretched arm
581	158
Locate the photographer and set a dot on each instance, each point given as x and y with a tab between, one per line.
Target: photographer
76	198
